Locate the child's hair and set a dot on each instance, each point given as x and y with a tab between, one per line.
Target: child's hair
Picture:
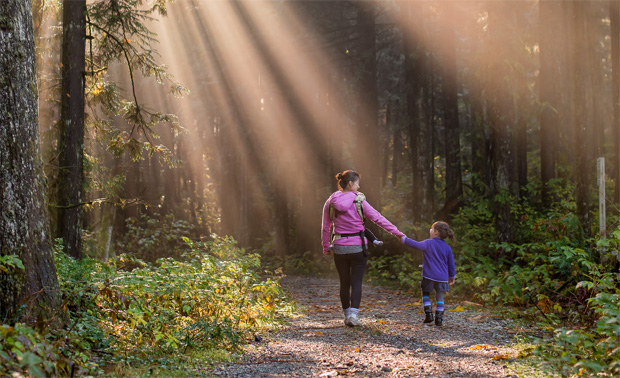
444	230
346	177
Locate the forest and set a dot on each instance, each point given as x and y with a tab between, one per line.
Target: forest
165	163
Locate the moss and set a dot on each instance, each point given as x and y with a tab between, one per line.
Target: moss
6	23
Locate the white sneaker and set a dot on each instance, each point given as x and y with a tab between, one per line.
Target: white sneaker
354	321
347	321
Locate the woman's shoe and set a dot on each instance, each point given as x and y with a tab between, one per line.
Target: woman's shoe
354	321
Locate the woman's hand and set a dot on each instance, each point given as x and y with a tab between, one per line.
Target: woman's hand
451	281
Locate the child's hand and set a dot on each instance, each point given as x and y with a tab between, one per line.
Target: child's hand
451	281
403	238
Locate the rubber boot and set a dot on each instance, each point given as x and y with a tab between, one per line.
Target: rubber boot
428	312
439	318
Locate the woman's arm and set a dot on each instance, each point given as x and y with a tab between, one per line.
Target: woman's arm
380	220
327	223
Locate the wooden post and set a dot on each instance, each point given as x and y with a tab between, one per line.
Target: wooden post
601	196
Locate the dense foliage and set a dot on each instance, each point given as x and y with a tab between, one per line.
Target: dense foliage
558	282
130	312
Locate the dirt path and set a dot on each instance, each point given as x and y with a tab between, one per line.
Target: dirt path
392	342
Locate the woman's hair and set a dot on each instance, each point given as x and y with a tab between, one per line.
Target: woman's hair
346	177
444	230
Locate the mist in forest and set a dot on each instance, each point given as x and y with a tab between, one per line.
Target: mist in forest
430	101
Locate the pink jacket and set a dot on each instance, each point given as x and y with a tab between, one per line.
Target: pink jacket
347	220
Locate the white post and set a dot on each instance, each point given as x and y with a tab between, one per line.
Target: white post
600	163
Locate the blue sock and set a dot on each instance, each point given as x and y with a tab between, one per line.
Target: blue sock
426	301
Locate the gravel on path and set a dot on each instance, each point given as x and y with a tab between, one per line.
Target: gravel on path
392	341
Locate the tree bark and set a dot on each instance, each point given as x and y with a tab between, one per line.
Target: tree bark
454	184
614	16
71	138
368	146
581	147
549	15
23	218
397	148
501	117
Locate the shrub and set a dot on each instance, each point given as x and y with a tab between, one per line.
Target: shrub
128	310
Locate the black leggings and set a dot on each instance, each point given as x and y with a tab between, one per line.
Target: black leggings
351	271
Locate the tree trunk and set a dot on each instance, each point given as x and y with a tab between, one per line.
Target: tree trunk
549	15
522	102
614	16
367	131
454	185
397	149
71	138
580	73
501	117
23	218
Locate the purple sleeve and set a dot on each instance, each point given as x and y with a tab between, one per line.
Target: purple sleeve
416	244
380	220
451	267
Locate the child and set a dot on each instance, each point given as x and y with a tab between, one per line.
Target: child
438	271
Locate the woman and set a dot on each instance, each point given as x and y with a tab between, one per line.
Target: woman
345	210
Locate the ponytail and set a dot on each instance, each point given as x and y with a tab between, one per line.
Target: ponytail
444	230
345	177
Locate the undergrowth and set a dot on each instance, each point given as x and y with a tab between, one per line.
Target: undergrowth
563	285
142	316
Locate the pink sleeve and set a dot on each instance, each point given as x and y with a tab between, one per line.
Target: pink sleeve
380	220
325	227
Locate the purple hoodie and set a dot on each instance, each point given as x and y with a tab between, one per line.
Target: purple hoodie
438	259
347	220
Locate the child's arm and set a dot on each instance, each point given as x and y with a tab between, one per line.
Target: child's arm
451	268
415	244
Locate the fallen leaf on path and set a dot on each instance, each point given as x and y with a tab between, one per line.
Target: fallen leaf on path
311	334
501	357
458	308
483	346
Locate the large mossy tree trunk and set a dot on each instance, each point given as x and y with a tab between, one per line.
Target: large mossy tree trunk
23	220
71	138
